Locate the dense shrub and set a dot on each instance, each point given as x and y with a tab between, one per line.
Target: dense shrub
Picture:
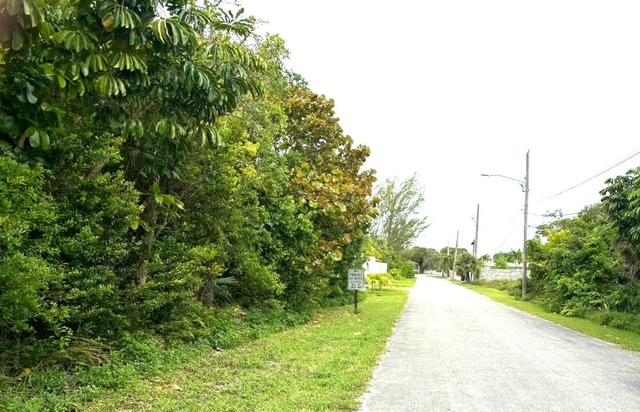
27	230
576	269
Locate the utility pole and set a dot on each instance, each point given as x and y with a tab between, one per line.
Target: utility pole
455	256
525	188
475	242
526	215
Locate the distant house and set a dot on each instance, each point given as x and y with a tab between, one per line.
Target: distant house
373	266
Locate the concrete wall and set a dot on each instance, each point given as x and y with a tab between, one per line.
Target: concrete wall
372	266
495	274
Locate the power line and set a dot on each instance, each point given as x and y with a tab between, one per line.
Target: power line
589	179
547	215
510	234
515	216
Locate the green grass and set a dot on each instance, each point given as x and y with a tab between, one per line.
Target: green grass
322	366
406	283
625	339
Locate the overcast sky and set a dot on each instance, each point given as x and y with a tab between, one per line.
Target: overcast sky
452	89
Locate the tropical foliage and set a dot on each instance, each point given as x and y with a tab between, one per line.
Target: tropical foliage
577	268
621	201
158	163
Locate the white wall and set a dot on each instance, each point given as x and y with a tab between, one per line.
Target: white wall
495	274
372	266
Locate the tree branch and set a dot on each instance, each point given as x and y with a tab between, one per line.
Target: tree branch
96	170
22	140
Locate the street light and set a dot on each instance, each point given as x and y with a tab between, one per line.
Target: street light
524	184
477	222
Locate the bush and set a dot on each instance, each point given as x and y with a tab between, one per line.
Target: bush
513	287
618	320
380	281
500	262
402	266
27	227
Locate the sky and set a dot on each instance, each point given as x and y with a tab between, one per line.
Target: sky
454	89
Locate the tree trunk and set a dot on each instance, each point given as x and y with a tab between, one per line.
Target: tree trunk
22	140
96	170
141	273
147	242
143	269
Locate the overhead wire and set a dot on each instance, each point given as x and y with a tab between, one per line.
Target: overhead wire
547	215
562	192
510	233
589	179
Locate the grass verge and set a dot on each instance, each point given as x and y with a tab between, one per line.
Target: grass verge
625	339
406	283
322	366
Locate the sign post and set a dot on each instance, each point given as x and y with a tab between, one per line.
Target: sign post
356	283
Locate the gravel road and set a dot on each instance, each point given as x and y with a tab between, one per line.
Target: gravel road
456	350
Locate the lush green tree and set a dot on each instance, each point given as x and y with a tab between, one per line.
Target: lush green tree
327	180
27	232
622	204
515	257
158	74
398	221
446	263
576	270
484	259
157	160
427	259
449	250
107	102
467	266
502	259
432	259
417	255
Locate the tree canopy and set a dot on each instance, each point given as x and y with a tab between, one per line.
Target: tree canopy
398	221
621	203
426	258
158	162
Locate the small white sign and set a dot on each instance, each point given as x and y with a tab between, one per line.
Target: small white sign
356	279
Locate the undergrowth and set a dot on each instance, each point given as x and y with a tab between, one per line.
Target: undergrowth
57	386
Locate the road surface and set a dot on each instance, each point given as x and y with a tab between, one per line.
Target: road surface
456	350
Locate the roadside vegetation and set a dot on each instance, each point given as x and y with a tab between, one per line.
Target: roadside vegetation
322	365
406	283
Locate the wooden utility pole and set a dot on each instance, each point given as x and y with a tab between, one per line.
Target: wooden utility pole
475	242
526	215
455	256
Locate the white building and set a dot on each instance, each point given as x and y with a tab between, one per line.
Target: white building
372	266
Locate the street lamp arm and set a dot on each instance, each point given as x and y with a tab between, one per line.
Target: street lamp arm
506	177
522	183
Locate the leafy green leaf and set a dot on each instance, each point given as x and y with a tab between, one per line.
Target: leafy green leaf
34	139
18	38
46	141
30	96
13	7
